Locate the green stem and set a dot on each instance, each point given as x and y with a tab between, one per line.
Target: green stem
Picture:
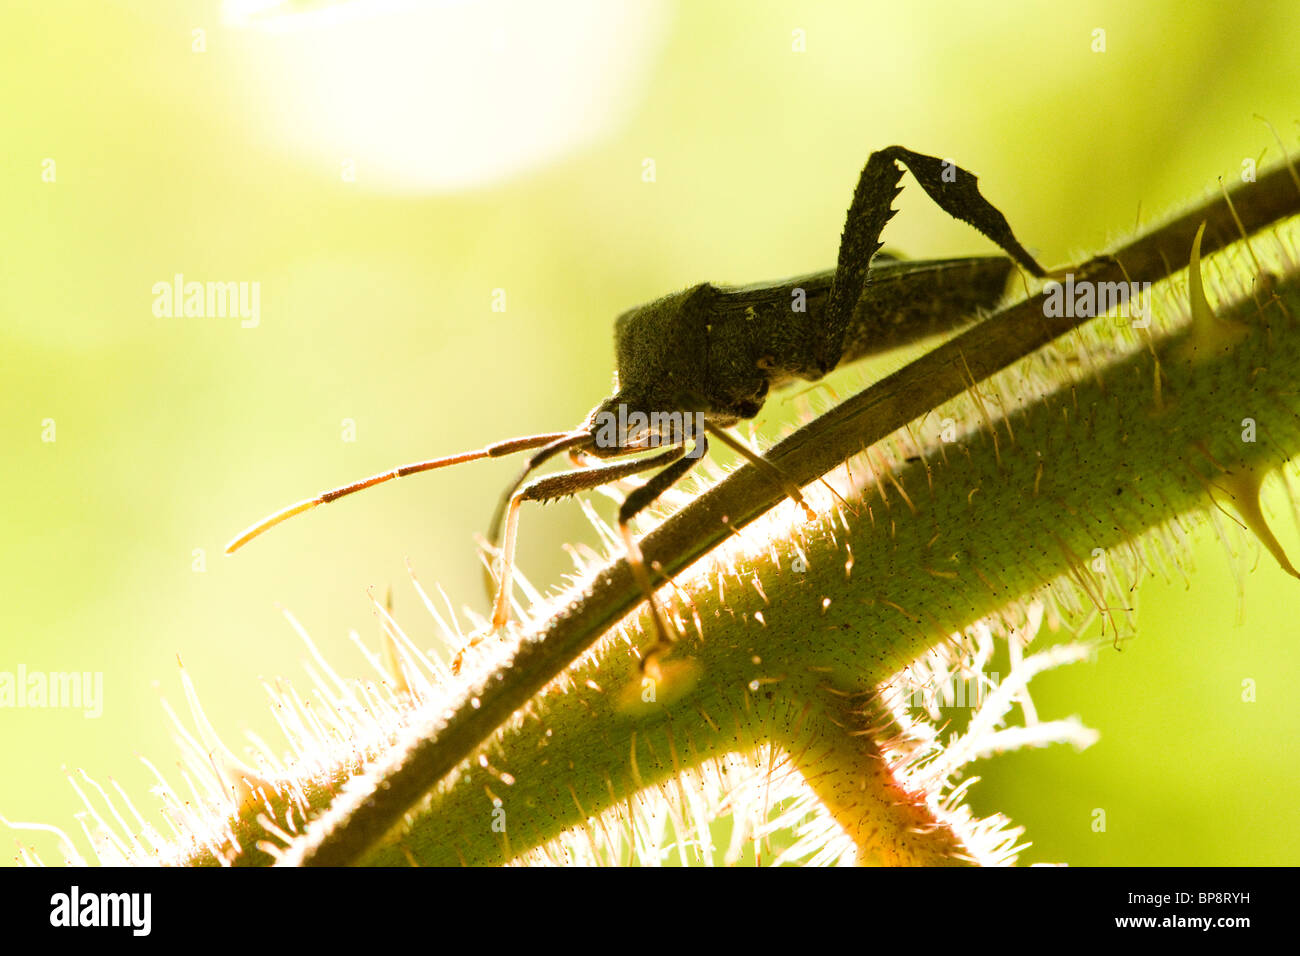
1094	464
1019	501
362	815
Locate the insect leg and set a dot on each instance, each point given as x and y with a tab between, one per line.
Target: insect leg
569	442
773	472
550	488
636	502
952	188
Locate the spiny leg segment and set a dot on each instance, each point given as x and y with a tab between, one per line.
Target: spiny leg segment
952	188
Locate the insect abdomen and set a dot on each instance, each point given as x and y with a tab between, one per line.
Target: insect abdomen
905	302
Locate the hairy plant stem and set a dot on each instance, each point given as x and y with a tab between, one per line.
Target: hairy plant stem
873	640
790	658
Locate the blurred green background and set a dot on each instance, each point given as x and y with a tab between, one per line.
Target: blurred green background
380	174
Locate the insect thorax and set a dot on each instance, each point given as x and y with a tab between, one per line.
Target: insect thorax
699	351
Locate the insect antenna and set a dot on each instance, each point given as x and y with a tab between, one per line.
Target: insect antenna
497	450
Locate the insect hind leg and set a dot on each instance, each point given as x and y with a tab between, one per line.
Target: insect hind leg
952	188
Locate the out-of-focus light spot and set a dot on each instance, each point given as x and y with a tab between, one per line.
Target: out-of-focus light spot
433	96
279	16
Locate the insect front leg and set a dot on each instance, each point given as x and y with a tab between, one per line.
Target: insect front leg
569	442
675	464
952	188
551	488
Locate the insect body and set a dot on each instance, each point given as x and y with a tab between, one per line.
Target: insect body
693	363
726	347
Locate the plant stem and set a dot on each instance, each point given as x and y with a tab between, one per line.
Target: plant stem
373	804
